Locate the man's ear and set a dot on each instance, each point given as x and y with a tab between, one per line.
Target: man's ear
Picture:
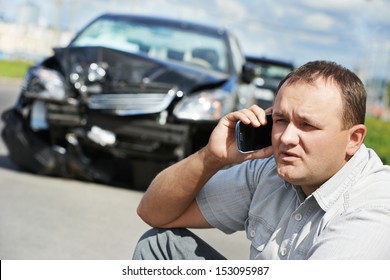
356	137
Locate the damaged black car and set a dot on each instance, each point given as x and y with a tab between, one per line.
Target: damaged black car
127	97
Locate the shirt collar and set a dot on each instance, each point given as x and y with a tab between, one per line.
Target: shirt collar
327	194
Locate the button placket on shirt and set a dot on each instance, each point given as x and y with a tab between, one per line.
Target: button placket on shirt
298	217
283	249
294	227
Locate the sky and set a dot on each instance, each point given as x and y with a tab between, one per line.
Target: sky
355	33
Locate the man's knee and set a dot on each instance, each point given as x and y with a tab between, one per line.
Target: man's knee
173	244
164	244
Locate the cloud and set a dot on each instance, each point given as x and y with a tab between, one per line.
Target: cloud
320	21
296	30
231	9
335	5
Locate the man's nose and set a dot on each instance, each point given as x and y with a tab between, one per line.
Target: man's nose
290	135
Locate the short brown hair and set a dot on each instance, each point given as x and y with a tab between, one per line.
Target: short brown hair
353	92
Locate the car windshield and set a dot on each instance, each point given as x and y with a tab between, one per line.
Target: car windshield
156	41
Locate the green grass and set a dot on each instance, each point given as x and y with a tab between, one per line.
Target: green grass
14	68
378	138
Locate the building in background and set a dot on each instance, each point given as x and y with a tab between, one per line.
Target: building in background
28	14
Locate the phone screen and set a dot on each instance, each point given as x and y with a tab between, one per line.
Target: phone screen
250	139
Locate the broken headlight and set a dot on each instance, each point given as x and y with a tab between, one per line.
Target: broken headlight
44	83
208	105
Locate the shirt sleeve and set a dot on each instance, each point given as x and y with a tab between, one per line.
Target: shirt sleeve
225	200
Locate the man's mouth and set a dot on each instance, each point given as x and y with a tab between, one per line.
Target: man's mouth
288	156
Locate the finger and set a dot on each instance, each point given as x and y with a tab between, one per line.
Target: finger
263	153
253	115
269	110
244	115
238	115
260	114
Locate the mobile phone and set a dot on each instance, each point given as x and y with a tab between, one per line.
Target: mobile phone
250	139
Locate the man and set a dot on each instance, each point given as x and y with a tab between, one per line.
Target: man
317	193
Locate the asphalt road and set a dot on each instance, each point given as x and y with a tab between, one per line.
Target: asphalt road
61	219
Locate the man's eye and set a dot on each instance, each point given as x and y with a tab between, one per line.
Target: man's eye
308	125
280	121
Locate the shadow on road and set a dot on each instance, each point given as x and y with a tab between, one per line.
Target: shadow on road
6	163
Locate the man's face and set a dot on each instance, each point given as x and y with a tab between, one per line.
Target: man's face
308	141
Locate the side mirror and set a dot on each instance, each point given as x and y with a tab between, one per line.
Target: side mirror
248	72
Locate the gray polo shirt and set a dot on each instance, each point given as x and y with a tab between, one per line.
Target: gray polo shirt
348	217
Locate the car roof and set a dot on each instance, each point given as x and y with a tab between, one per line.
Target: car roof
216	30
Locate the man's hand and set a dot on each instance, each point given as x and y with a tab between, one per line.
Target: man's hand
170	199
222	143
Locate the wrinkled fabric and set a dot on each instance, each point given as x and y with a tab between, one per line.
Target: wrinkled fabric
348	217
173	244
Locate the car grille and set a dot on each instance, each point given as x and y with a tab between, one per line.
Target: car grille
126	104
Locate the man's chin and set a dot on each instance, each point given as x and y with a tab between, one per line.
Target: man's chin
289	174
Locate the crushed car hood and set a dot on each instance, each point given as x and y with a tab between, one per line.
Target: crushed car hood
123	72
